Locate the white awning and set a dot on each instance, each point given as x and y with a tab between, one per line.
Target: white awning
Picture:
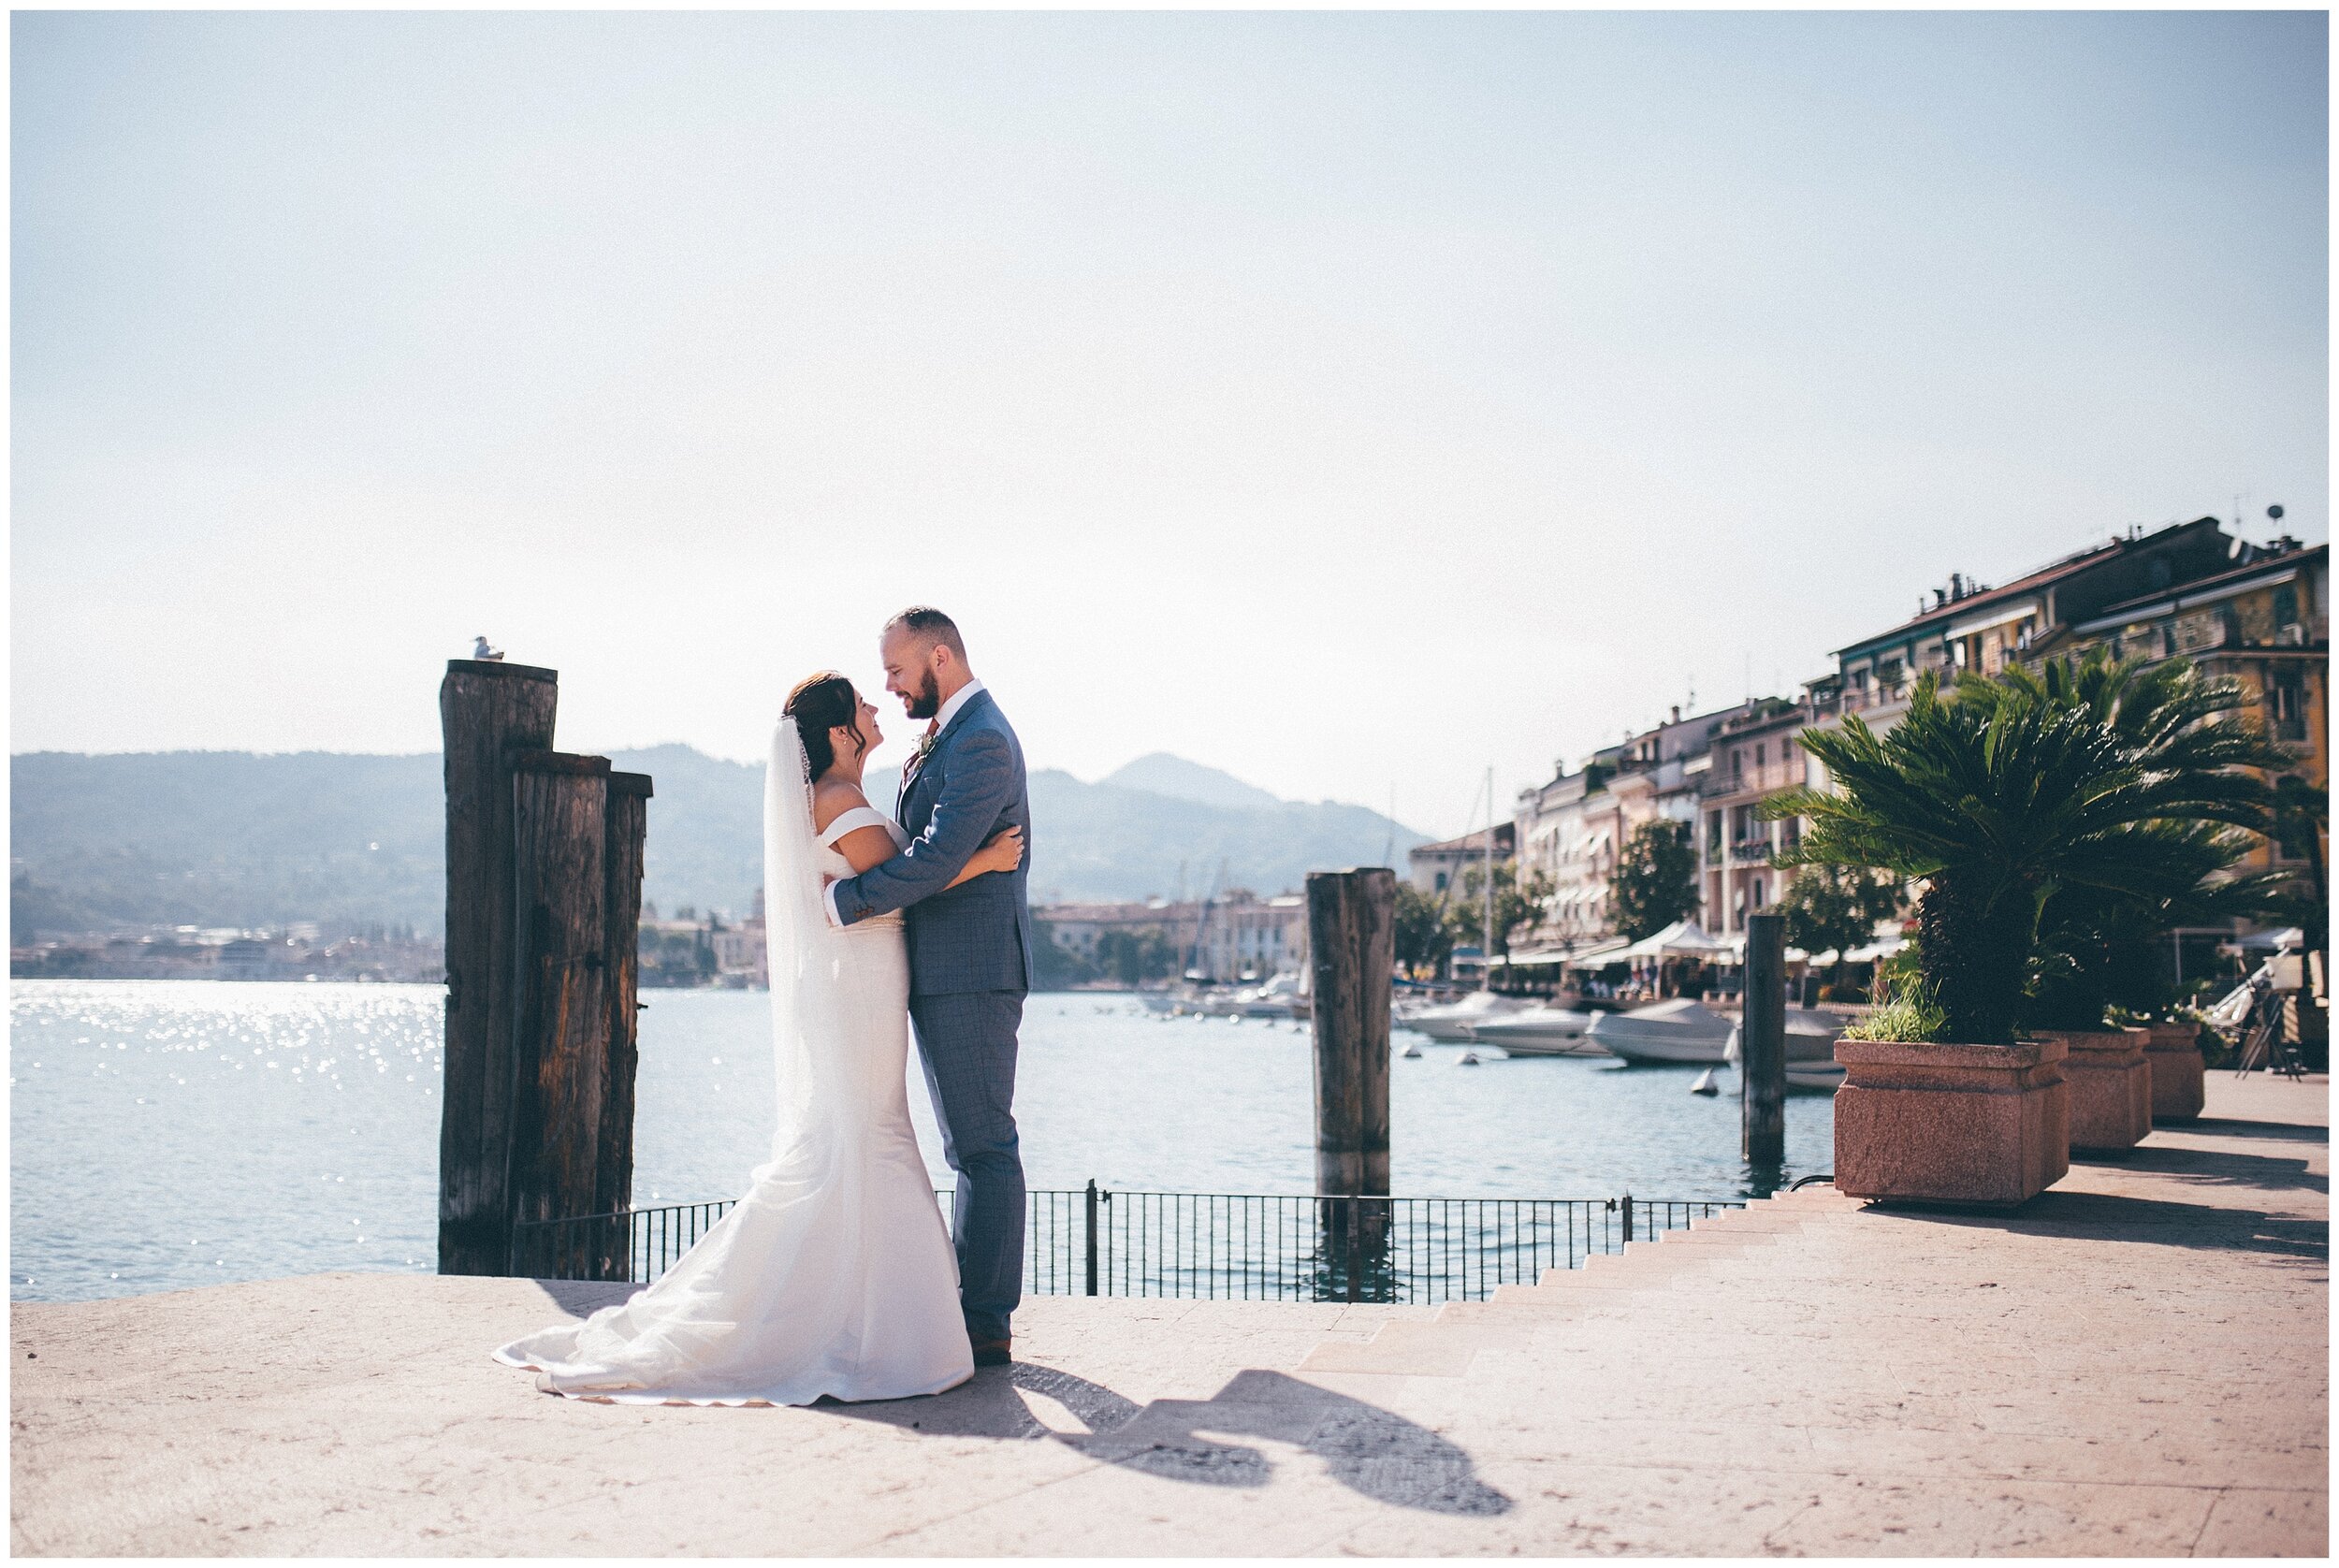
1988	618
1683	939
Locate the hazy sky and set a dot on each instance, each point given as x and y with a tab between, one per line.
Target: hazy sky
1348	402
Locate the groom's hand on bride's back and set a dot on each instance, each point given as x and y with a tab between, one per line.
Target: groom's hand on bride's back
1002	852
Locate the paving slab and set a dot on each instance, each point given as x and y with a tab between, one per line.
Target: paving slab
2135	1364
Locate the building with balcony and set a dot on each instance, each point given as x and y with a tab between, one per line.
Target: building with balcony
1753	756
1574	829
1971	626
2265	622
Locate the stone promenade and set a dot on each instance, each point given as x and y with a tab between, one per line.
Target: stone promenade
2136	1365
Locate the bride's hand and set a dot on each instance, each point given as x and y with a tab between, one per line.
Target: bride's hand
1002	852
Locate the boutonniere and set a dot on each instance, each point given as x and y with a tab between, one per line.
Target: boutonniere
925	749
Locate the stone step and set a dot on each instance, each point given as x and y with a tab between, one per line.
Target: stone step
1410	1349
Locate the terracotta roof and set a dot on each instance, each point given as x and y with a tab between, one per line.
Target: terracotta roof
1957	608
1469	841
2258	568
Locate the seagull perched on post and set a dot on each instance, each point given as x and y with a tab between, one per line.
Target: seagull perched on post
481	650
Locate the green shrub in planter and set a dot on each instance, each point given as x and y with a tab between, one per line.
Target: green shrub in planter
2100	947
1998	806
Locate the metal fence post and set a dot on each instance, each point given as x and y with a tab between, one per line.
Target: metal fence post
1088	1207
1355	1237
1628	1216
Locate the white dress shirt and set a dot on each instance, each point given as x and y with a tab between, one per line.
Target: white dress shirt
942	717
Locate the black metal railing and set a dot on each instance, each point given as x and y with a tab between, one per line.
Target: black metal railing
1097	1242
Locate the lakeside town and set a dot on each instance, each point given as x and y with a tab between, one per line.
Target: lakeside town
1630	872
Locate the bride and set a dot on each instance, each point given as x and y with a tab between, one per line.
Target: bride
834	1275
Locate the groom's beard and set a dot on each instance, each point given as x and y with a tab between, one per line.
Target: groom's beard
928	701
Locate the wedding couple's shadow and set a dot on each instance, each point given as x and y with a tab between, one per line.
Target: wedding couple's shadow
1370	1450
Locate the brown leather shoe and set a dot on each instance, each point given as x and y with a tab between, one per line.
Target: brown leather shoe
994	1353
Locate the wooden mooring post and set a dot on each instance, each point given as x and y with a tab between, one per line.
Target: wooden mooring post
1762	1044
544	899
1352	948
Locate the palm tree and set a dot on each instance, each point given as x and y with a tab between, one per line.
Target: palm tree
1999	803
2183	728
2174	718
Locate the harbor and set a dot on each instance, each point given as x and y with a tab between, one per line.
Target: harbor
305	1104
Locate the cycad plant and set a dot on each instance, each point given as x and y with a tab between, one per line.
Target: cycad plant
2001	800
2099	948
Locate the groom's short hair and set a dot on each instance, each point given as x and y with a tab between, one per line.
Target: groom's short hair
930	625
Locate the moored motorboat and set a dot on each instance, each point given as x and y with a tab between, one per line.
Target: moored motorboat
1676	1031
1446	1023
1537	1032
1811	1036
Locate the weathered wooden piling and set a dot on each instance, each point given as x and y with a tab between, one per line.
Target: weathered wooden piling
546	894
1352	944
488	711
561	971
1763	1043
629	829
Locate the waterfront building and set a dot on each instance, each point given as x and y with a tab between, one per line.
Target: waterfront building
1435	868
1753	756
1567	833
2257	612
2264	621
186	952
1971	626
1237	936
1574	829
740	956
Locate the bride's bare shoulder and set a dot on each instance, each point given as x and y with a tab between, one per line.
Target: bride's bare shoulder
831	799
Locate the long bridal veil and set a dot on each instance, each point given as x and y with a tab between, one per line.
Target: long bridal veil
800	948
833	1274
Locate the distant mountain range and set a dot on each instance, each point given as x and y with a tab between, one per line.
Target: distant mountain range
223	838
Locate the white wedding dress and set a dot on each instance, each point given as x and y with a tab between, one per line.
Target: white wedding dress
834	1274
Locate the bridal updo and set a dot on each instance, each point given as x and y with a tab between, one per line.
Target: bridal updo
819	703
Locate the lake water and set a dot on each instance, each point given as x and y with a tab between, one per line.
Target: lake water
166	1134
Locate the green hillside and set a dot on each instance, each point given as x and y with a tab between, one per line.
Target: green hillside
235	838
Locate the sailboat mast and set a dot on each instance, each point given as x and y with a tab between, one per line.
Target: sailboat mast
1488	934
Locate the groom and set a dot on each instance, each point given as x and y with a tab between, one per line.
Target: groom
969	950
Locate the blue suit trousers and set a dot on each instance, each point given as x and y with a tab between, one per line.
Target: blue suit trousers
967	1043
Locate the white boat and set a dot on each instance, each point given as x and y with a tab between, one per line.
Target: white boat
1811	1036
1537	1032
1446	1023
1706	1084
1676	1031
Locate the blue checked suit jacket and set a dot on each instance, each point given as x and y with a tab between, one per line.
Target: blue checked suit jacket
976	936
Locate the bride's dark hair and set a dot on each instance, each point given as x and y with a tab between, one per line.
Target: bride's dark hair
819	703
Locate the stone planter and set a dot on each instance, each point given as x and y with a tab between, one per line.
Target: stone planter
2111	1087
2174	1054
1975	1126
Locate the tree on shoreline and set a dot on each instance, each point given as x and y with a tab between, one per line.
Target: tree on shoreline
1838	907
1514	906
1425	938
1655	881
